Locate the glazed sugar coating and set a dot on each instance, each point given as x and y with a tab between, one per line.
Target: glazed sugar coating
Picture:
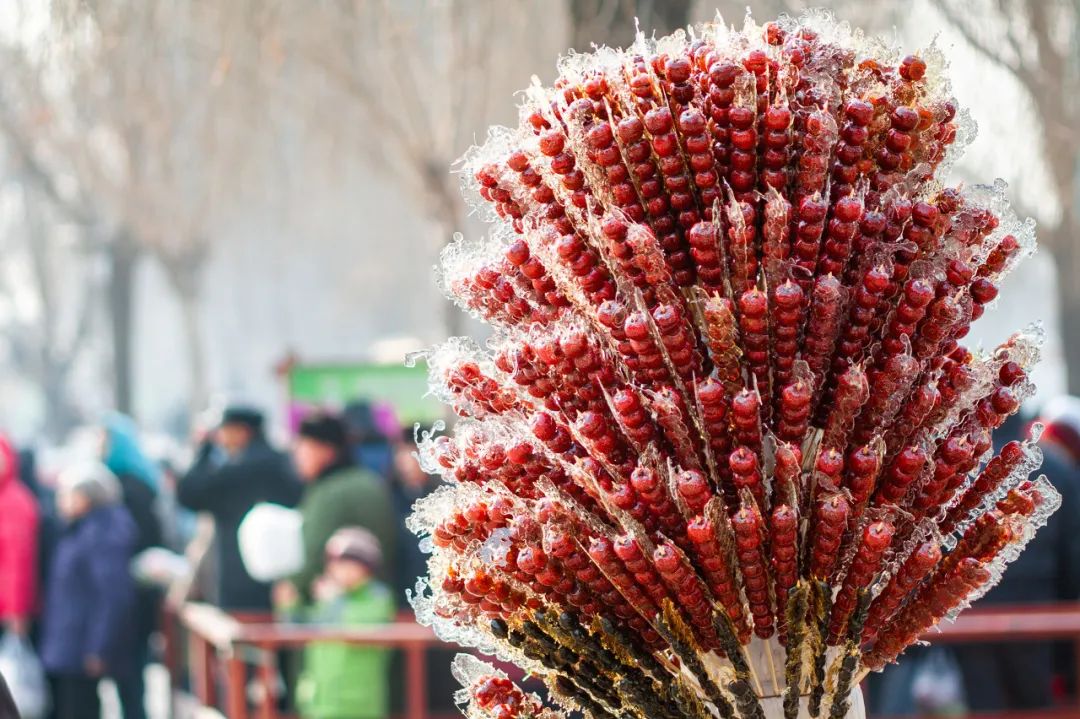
725	420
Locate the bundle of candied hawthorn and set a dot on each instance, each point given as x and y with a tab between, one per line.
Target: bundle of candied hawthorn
725	452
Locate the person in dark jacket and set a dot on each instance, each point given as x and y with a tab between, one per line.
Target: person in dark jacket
140	480
235	469
338	494
371	448
86	628
1018	675
410	483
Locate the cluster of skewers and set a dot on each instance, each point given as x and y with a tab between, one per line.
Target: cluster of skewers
725	451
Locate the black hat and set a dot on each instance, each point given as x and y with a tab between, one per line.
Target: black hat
247	416
326	428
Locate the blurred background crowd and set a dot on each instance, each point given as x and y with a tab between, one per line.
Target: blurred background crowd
217	223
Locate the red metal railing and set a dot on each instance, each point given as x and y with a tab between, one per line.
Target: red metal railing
1017	623
222	647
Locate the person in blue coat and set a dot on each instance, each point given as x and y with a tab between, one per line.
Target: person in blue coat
90	593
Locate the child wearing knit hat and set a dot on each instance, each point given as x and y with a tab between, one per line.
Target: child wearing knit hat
343	681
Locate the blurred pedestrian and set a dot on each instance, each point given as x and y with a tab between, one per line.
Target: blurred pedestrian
19	525
410	483
235	469
338	494
371	446
140	481
338	680
86	625
177	523
1061	434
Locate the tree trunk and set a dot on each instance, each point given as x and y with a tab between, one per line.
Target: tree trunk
185	280
60	416
123	256
196	352
1062	242
447	215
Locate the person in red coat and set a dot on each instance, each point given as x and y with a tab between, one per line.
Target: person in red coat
18	545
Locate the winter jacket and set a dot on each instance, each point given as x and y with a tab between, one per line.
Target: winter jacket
342	681
19	525
90	595
345	496
227	490
141	503
411	561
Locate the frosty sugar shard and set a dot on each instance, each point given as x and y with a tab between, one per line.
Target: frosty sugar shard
725	451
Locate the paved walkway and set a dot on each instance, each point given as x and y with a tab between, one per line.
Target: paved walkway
157	695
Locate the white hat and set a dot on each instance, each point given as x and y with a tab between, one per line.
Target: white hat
93	480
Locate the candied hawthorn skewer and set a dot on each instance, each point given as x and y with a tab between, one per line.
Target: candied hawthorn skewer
840	235
602	552
714	562
783	551
746	419
499	698
925	609
806	247
849	151
704	239
754	331
823	328
646	482
794	414
787	301
749	548
742	234
743	137
684	584
852	392
901	475
955	457
830	523
996	471
862	469
889	387
920	405
917	295
865	565
633	418
917	567
746	474
722	338
856	335
776	237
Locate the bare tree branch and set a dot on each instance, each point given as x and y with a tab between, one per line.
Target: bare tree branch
959	21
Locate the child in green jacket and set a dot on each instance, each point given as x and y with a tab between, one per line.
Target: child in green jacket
343	681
